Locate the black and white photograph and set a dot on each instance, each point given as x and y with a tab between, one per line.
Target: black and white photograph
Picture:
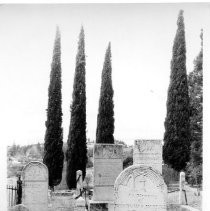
102	106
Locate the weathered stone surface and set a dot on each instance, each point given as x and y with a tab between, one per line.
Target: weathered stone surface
80	204
62	201
35	186
149	153
140	188
107	166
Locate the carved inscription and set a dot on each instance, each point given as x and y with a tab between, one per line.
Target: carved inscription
108	151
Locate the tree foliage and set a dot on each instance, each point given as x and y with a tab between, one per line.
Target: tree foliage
176	149
195	82
53	153
105	118
76	154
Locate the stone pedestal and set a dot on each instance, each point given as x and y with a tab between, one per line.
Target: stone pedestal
107	166
63	200
98	206
80	204
148	153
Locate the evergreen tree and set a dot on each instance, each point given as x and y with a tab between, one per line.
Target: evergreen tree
53	153
176	149
105	119
195	82
76	154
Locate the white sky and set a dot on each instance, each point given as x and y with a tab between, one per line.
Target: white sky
141	36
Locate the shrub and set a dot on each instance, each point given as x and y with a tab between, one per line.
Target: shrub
170	175
128	161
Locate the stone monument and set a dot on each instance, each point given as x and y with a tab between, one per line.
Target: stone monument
148	153
139	188
107	166
35	186
181	187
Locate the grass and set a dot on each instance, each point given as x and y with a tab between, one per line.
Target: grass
193	199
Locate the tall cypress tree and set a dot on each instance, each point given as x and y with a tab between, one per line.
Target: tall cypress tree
105	119
76	154
195	82
53	153
176	149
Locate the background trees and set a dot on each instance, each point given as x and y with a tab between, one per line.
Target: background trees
176	149
76	154
195	82
105	118
53	154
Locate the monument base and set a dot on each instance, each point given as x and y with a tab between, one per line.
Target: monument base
101	205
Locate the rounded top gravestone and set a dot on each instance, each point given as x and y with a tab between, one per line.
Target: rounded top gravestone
35	170
140	188
35	186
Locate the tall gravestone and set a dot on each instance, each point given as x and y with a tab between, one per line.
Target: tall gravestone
139	188
181	187
35	186
148	153
107	166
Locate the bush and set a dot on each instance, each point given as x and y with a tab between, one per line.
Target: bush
194	174
128	161
170	175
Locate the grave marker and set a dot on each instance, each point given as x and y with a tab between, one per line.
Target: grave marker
107	166
149	153
35	186
140	188
182	192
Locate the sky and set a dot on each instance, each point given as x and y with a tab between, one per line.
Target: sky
141	37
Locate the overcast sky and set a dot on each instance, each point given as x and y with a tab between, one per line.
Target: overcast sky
141	37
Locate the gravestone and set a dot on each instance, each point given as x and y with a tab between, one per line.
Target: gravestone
35	186
107	166
181	188
148	153
139	188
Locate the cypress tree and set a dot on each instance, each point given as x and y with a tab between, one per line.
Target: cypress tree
76	154
176	149
195	82
105	118
53	153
